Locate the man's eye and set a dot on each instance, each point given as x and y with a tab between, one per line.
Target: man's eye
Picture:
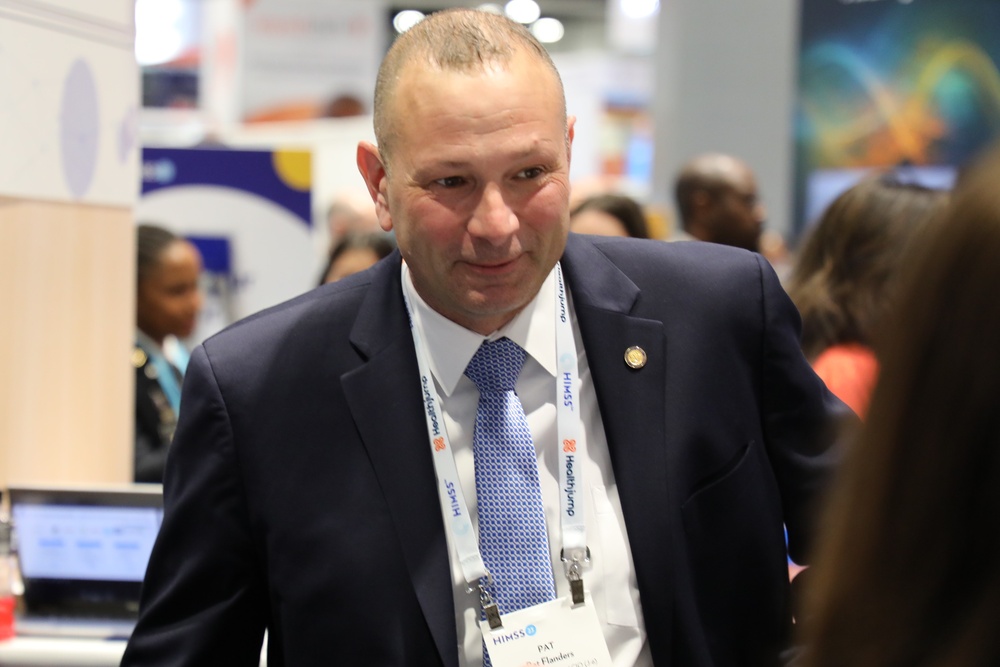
531	173
450	181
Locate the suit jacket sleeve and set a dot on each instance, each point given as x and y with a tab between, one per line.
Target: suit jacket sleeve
202	598
798	441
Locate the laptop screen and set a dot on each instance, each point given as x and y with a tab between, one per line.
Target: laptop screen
84	551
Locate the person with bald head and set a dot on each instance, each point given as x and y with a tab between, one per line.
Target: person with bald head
717	201
503	444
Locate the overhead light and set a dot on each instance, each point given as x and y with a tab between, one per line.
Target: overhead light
158	38
490	8
522	11
406	19
548	30
639	9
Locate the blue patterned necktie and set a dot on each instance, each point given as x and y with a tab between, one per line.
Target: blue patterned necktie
512	536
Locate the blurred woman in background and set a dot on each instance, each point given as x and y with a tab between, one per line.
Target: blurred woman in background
609	215
168	300
355	251
843	278
907	570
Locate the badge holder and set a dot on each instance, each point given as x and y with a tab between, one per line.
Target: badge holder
489	607
574	566
553	633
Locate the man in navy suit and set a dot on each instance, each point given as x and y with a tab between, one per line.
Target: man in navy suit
304	492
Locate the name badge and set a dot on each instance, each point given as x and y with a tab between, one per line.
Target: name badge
554	634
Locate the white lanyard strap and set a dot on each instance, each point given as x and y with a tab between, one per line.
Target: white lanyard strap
572	447
572	454
449	487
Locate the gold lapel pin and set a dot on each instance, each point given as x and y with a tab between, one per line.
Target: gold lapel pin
635	357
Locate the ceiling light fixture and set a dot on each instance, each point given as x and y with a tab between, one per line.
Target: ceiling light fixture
158	38
406	19
522	11
639	9
548	30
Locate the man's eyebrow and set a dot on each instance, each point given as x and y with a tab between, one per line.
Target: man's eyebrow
539	152
425	170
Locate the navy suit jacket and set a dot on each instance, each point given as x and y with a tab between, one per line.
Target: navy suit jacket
300	493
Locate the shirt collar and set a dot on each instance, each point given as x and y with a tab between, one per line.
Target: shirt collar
451	346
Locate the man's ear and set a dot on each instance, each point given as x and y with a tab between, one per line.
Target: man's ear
373	171
570	133
701	201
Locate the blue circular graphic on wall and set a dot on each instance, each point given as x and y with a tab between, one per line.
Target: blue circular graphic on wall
78	128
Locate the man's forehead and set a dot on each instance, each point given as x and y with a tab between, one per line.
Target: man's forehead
423	87
731	173
743	181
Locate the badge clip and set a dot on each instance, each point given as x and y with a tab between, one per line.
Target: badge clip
493	615
489	607
574	566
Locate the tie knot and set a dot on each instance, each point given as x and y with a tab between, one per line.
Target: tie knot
496	365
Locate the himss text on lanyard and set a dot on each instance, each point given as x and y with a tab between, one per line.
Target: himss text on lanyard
572	454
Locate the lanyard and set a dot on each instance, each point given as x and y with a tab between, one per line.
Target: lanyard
572	453
165	377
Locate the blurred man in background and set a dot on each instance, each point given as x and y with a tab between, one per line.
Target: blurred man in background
717	201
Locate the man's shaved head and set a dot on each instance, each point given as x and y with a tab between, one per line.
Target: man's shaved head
462	40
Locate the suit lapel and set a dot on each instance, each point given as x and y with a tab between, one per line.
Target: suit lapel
384	399
633	410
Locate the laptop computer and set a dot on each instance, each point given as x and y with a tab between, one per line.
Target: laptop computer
82	554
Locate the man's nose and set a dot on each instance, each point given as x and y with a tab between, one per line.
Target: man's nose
493	218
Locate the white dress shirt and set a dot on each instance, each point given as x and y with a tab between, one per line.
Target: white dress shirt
611	577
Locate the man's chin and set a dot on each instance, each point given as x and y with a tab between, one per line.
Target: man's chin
492	311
